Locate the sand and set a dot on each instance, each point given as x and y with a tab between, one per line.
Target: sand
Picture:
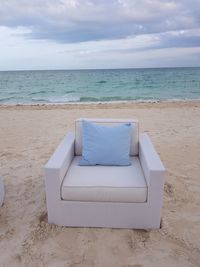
28	136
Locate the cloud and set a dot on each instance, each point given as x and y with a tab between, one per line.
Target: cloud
99	33
71	21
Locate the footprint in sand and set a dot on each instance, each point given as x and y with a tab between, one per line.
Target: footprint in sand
169	190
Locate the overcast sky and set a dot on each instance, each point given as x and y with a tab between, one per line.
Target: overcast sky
76	34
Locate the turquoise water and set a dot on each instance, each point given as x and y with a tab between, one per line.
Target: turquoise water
63	86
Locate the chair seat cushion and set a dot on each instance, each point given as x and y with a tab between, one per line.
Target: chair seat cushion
105	183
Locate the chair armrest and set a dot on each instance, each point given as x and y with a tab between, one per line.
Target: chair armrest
151	164
153	170
57	166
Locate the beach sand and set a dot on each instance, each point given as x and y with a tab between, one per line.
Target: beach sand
29	135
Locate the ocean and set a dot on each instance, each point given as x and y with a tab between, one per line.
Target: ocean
69	86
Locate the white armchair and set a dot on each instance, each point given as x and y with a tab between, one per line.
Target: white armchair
105	196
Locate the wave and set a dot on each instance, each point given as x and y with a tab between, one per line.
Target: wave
117	98
61	99
39	92
102	99
14	103
73	99
50	91
70	92
102	81
6	98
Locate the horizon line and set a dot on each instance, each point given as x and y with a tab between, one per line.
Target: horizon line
86	69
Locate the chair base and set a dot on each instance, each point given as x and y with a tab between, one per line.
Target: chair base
104	214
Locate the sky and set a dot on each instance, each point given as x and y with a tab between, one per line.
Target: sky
96	34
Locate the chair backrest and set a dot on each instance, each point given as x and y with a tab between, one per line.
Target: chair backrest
108	122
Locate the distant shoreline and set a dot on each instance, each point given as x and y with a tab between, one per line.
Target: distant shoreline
101	102
103	105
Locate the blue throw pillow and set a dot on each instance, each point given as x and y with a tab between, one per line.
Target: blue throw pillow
105	145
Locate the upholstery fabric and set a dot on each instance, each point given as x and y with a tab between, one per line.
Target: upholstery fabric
105	183
134	147
105	145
